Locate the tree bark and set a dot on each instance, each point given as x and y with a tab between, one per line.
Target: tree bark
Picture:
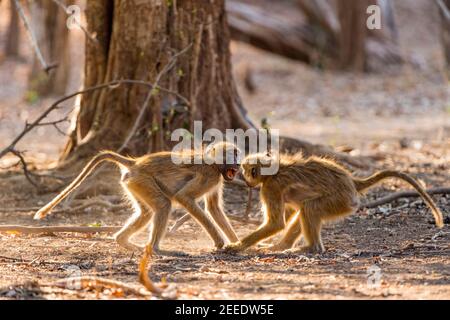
13	33
136	39
353	34
49	24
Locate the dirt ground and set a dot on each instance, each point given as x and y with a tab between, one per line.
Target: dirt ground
398	119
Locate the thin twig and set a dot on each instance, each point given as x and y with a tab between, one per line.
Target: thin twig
33	39
69	13
25	168
445	11
249	203
56	229
112	84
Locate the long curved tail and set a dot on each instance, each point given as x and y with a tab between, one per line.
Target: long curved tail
363	184
102	156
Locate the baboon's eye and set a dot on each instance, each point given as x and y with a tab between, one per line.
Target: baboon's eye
253	172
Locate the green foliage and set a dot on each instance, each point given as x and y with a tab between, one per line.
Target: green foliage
95	224
31	96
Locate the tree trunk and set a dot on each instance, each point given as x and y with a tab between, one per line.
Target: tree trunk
444	9
323	33
353	34
136	40
49	25
13	35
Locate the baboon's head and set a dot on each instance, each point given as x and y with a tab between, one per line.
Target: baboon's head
225	156
251	168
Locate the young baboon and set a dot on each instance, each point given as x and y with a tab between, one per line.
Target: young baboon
311	191
143	177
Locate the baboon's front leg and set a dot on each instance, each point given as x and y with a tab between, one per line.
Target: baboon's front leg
186	197
213	206
273	224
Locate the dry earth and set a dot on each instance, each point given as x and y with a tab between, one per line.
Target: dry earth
399	118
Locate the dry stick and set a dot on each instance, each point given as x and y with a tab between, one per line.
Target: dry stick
69	14
249	203
113	84
56	229
444	9
33	40
404	194
90	282
25	168
92	203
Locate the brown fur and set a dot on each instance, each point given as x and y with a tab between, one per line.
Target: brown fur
152	182
309	191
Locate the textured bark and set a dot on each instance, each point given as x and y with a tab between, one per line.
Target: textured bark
353	34
13	35
49	25
136	40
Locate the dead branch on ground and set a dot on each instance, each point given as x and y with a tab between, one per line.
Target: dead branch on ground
56	229
87	204
96	283
403	194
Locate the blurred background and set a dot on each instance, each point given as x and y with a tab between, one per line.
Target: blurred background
386	85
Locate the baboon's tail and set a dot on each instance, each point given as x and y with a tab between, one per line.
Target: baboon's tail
103	156
363	184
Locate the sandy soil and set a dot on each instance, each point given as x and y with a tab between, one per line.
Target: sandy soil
400	118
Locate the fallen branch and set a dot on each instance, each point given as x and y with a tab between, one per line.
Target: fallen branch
99	203
403	194
56	229
90	282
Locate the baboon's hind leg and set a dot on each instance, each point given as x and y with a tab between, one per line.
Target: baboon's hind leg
311	225
291	235
136	222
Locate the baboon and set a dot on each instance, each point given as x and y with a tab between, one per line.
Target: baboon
183	184
310	191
